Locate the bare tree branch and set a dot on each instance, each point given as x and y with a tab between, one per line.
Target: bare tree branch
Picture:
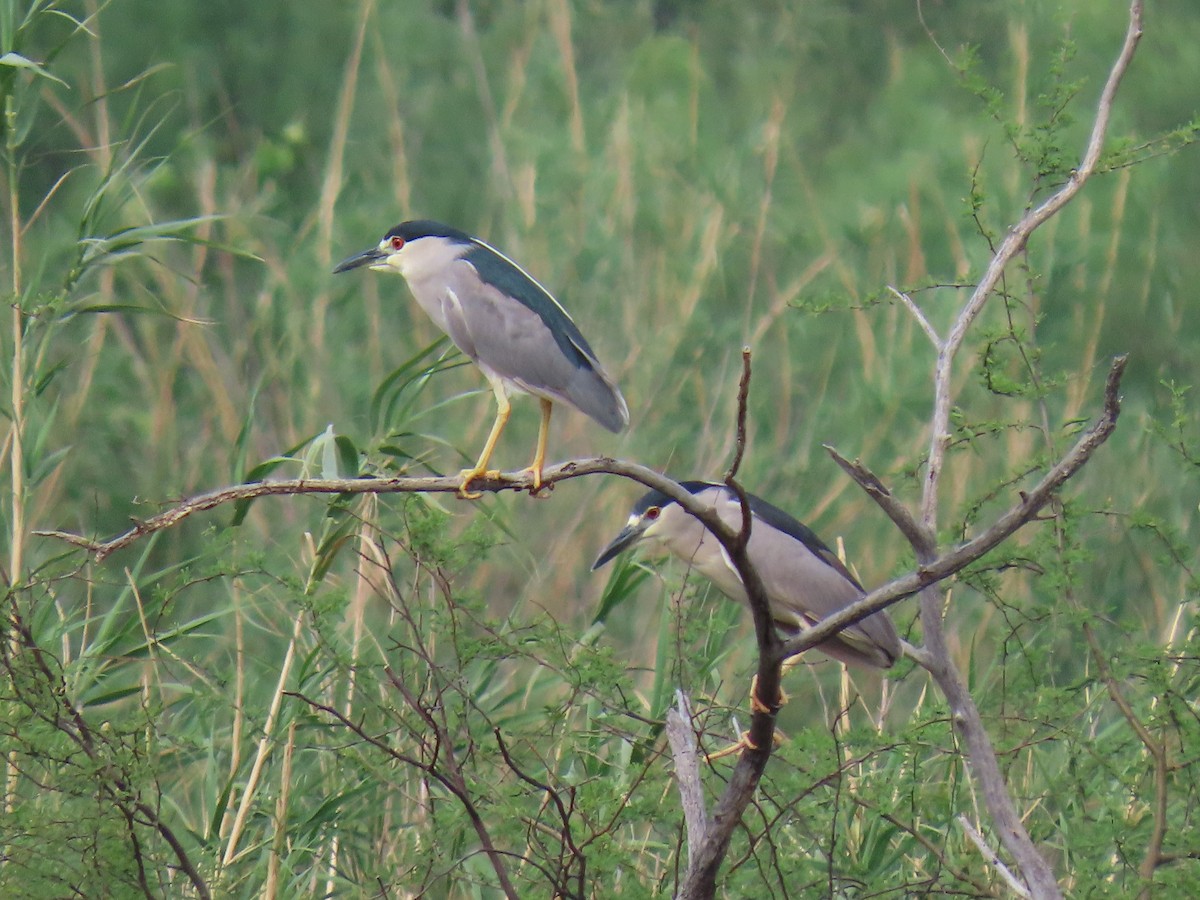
686	754
514	481
936	660
918	535
1010	828
743	397
1012	244
912	307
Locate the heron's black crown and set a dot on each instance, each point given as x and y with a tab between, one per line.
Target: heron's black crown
658	498
422	228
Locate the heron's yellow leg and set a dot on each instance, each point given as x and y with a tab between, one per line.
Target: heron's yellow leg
539	456
503	410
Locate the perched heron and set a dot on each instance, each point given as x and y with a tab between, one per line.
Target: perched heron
508	324
804	580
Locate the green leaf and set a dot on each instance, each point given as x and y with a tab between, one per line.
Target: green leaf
17	61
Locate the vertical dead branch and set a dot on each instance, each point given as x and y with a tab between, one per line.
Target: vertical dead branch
686	754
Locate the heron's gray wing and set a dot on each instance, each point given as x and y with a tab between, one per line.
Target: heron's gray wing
498	270
805	582
454	321
517	342
805	587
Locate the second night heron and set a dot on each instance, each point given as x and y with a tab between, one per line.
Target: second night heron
508	324
804	580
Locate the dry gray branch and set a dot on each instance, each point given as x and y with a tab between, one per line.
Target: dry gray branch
919	315
936	658
918	536
686	753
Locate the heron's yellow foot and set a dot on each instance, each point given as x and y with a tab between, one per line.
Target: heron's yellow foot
466	476
743	743
535	472
757	705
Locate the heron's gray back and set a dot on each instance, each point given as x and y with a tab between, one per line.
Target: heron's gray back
802	586
512	341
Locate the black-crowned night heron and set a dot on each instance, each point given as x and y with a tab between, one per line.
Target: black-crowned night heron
804	580
508	324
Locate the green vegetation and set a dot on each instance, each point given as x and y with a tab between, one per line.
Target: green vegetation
362	696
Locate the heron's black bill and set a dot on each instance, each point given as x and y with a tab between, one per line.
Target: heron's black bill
627	538
361	259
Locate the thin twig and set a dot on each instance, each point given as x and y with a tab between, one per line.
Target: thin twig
912	307
452	779
565	838
66	718
918	536
938	850
1157	750
743	397
991	856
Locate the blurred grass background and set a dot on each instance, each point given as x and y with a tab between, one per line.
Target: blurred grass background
687	178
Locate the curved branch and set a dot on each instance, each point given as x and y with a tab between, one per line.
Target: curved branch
403	484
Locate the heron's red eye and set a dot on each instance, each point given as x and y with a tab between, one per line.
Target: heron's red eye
397	242
652	513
